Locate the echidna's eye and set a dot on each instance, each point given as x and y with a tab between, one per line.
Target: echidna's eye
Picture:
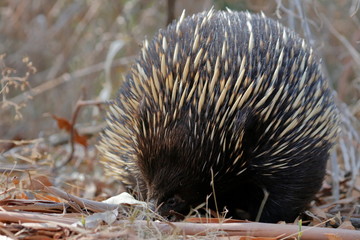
171	202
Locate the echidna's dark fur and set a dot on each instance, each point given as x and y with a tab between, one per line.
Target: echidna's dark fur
228	99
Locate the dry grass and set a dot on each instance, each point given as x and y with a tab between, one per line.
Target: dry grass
57	52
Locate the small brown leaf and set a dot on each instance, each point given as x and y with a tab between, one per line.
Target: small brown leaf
15	180
22	196
39	182
62	123
318	212
347	225
80	139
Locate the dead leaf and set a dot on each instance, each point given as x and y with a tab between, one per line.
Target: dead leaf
15	180
39	182
318	212
125	198
82	140
66	125
347	225
22	196
62	123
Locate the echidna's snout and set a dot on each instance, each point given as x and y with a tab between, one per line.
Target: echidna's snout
172	209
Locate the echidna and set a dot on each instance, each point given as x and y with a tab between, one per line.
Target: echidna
225	104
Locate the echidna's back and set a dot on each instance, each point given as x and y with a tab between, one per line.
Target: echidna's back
230	96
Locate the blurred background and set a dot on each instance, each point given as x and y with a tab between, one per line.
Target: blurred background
53	53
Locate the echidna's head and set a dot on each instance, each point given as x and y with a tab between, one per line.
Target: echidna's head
174	200
172	172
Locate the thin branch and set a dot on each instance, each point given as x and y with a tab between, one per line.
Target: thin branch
67	77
